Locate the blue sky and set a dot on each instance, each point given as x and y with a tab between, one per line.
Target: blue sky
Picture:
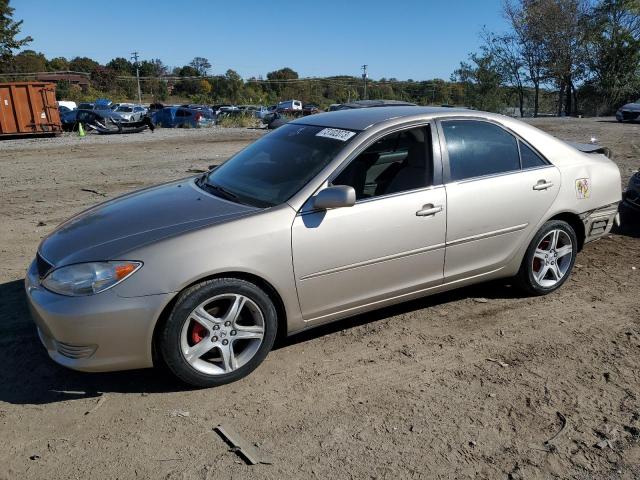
403	39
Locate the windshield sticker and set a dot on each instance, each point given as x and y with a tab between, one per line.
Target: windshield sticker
583	186
336	134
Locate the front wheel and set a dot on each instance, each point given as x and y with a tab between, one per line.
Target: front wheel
218	332
549	259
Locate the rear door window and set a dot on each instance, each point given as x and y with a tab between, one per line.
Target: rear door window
478	148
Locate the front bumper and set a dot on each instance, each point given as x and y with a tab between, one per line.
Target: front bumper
97	333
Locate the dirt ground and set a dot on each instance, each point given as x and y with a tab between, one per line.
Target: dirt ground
404	392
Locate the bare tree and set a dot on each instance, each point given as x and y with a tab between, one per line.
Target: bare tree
201	64
508	58
565	32
528	44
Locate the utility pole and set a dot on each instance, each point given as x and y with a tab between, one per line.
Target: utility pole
134	57
364	78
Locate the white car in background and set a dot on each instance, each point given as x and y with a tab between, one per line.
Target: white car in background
131	112
68	104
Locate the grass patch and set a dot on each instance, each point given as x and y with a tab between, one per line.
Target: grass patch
239	121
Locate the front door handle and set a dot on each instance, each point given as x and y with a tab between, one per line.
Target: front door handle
542	185
428	210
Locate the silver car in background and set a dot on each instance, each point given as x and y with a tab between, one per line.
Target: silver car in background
131	112
329	216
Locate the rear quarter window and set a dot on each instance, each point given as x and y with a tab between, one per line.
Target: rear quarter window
529	158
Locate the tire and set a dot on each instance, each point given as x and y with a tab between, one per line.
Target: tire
543	253
182	338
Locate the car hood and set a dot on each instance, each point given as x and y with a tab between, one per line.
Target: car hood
109	230
631	107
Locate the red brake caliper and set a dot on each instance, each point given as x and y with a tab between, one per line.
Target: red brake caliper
198	332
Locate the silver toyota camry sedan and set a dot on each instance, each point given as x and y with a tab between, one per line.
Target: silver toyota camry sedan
326	217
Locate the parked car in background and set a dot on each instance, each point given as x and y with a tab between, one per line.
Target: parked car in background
629	112
131	112
225	109
103	104
154	107
86	106
631	196
67	104
310	109
261	111
289	106
182	117
329	216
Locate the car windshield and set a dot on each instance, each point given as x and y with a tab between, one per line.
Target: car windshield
124	109
271	170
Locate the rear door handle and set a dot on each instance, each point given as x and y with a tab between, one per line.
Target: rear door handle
428	210
542	185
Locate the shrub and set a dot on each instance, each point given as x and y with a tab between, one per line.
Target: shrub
239	121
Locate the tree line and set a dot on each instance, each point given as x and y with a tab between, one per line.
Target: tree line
586	52
555	57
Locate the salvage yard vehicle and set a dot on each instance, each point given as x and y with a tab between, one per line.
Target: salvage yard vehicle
103	121
289	106
130	112
629	112
631	195
329	216
182	117
69	105
71	118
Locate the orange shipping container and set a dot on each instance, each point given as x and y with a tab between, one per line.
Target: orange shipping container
28	108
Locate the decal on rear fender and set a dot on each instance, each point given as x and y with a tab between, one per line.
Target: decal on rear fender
583	188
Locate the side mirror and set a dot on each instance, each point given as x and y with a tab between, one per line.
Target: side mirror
335	197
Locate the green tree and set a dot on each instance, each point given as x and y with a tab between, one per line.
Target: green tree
614	51
279	79
201	65
152	68
187	71
103	78
122	66
29	61
58	64
482	81
9	30
83	64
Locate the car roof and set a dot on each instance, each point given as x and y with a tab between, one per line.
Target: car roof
363	118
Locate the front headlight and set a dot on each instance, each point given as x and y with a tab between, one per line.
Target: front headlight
88	278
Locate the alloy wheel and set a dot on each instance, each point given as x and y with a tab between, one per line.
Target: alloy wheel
552	258
222	334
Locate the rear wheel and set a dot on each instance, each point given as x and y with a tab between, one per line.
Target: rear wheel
549	259
218	332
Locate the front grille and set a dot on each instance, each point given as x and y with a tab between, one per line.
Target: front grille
630	115
75	351
43	266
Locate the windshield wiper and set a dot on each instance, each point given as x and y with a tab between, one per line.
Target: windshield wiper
218	190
